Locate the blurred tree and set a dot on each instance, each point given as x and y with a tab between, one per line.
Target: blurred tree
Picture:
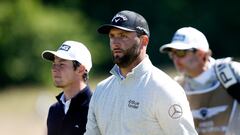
27	27
217	19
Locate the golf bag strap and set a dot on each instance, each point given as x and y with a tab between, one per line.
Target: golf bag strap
227	77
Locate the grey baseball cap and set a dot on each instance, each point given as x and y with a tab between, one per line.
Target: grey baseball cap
128	21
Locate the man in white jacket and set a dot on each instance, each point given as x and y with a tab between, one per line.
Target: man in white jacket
138	98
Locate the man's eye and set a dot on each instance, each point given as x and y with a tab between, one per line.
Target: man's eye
123	36
61	65
58	65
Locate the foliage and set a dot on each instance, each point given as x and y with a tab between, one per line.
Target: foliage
27	27
217	19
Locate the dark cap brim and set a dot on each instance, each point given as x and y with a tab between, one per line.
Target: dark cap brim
48	55
104	29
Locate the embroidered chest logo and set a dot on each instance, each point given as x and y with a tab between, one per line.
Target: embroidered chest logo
175	111
133	104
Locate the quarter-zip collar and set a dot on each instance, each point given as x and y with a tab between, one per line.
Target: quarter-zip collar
142	68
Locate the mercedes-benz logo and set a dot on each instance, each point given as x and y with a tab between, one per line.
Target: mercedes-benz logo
175	111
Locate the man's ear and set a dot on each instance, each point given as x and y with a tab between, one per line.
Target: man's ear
145	40
203	55
81	69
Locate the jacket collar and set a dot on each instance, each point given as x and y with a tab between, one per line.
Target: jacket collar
80	99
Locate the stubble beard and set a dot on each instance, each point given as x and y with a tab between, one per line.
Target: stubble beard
128	57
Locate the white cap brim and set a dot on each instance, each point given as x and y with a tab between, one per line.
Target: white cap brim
49	55
175	45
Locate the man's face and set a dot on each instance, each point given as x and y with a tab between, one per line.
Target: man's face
186	61
63	73
125	46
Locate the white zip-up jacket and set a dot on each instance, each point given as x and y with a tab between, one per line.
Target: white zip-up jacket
146	102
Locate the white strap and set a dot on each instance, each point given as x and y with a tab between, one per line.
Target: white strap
224	73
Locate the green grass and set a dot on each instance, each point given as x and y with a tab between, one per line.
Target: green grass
18	114
23	110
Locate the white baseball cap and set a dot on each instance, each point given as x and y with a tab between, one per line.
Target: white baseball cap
71	50
187	38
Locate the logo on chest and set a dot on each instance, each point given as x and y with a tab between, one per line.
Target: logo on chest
133	104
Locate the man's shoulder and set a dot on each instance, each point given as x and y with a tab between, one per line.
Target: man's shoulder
162	80
160	75
227	60
55	106
106	80
105	83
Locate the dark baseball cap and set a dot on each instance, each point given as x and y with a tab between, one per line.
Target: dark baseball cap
128	21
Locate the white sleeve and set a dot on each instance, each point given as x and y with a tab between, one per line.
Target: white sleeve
173	112
92	126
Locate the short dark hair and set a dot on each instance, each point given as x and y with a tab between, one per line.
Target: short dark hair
76	64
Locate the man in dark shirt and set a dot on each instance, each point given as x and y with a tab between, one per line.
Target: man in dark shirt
71	65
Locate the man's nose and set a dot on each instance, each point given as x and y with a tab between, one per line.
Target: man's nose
115	41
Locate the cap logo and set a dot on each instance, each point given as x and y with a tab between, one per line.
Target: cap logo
179	37
119	18
64	47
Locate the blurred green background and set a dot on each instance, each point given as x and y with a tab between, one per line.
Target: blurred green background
28	27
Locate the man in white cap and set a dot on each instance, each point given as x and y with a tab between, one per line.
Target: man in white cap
138	98
212	86
71	64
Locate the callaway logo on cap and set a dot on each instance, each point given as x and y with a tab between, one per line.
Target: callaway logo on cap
128	21
119	18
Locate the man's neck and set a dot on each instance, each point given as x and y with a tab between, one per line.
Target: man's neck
126	70
73	90
198	71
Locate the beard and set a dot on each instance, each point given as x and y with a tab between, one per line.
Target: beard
128	57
